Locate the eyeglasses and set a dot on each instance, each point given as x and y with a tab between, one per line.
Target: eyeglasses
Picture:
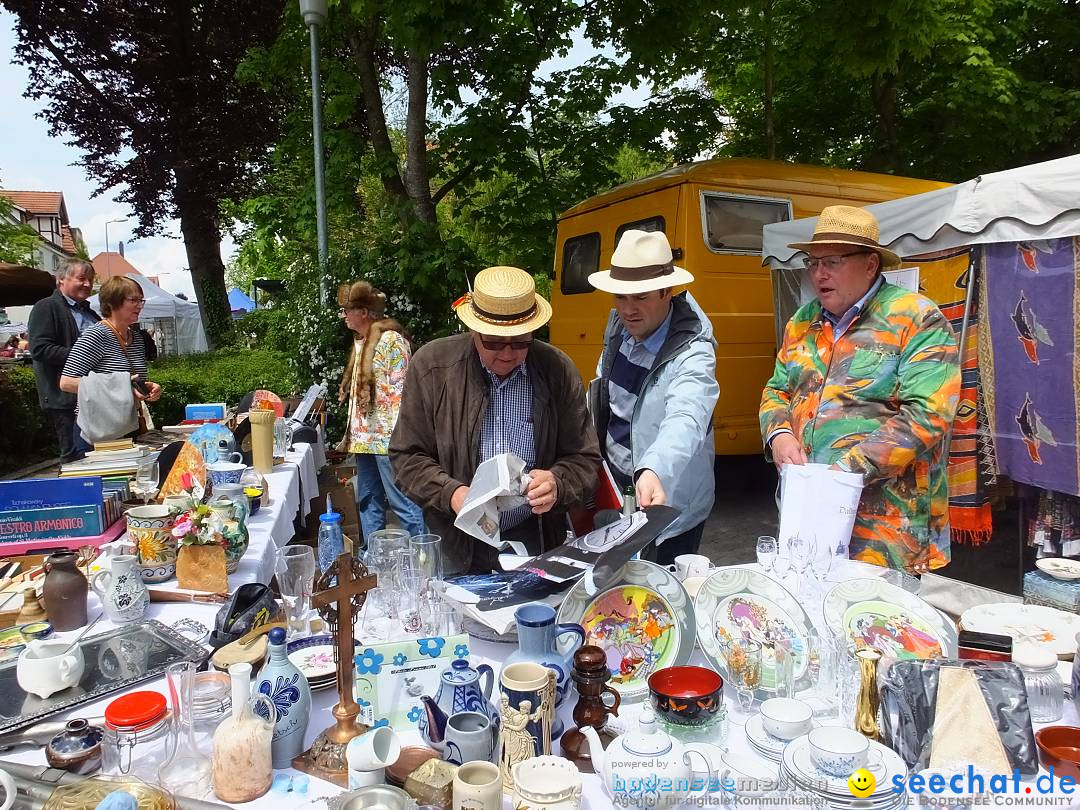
832	262
139	301
499	345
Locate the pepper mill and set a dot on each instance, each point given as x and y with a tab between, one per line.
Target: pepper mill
590	675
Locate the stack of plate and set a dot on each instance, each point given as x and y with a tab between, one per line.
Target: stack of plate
314	657
798	768
211	695
763	743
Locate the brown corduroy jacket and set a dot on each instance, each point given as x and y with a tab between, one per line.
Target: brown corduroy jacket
435	446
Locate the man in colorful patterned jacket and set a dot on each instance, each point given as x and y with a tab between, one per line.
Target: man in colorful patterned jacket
867	381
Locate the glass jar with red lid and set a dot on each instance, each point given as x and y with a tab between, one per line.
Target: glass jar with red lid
139	735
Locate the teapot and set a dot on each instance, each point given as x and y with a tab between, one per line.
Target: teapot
459	691
645	764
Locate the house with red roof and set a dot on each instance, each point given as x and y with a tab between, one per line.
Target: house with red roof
46	213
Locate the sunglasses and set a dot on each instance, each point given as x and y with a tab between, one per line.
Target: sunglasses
499	345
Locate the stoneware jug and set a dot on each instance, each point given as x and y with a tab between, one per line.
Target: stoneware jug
288	690
64	592
461	689
538	636
122	591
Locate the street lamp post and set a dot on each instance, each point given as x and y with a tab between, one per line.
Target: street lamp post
108	258
314	14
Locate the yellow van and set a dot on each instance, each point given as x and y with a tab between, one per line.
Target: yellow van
712	212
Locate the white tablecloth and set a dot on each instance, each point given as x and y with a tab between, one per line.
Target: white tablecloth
481	652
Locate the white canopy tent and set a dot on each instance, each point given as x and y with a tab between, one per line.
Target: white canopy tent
177	323
1041	201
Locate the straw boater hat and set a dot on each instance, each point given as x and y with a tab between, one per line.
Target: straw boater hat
845	225
641	263
503	303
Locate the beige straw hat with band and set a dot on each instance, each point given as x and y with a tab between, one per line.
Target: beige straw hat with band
503	303
847	225
641	263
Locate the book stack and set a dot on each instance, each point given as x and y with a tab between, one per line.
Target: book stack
109	460
51	508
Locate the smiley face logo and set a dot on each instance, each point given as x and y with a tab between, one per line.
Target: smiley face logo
862	783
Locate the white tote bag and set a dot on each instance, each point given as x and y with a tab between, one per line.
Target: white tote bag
819	502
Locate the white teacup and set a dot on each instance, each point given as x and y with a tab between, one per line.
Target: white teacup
45	669
841	751
692	565
786	718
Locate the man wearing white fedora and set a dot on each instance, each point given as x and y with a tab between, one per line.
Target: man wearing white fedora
867	380
655	389
495	390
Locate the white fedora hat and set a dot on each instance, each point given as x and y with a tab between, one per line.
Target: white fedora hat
641	263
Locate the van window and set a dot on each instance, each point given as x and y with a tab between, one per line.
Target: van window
733	224
580	257
650	224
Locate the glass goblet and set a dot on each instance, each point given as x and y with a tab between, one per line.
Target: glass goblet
744	669
766	552
296	580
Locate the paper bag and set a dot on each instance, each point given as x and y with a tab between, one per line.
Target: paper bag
819	502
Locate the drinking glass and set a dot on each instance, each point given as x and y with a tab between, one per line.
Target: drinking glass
379	619
445	619
744	669
381	545
146	480
427	550
413	602
782	561
800	558
821	559
296	579
766	552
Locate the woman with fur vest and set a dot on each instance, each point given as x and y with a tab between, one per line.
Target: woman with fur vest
372	383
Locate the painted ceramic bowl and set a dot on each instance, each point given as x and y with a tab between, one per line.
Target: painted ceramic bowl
36	630
1059	748
12	643
686	696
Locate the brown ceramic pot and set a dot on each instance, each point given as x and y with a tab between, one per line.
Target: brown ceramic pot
64	592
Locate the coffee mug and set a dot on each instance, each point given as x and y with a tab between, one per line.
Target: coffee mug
786	718
373	749
477	786
692	565
841	751
225	472
47	667
468	738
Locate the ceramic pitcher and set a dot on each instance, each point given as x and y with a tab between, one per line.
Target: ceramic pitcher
461	689
538	636
234	528
122	591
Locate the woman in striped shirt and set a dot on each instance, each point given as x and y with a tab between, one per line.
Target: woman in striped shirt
112	344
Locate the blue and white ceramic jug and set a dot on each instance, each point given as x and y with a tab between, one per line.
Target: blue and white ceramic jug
537	642
288	690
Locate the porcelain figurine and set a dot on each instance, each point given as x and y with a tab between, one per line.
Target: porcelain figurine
634	761
461	689
538	636
548	782
290	693
123	593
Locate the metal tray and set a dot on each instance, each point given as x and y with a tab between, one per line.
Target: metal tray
115	661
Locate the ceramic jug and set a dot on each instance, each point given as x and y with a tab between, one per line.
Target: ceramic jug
234	528
123	593
64	592
242	768
538	641
460	690
288	690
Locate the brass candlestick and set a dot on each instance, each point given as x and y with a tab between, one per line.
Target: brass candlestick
326	757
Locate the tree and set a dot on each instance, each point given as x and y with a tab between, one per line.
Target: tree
148	92
18	241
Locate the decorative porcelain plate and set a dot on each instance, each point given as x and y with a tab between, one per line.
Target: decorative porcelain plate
741	603
1059	567
267	401
1043	626
208	439
644	622
188	460
889	619
314	656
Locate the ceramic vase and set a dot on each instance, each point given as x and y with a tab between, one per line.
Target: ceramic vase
234	530
538	636
64	592
262	441
202	568
122	591
150	528
77	748
289	691
552	783
527	715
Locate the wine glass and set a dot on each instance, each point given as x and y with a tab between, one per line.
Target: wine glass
800	557
822	559
146	480
766	552
744	669
782	561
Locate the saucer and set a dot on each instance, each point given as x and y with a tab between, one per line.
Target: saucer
798	763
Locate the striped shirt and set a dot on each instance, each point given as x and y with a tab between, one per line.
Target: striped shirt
508	428
632	364
97	349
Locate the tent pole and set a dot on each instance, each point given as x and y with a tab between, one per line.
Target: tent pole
973	264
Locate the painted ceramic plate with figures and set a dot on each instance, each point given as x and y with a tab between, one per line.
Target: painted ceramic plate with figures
644	621
314	657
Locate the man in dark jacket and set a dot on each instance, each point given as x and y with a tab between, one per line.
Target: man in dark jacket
495	390
55	324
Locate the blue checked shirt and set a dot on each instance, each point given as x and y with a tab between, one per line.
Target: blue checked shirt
508	428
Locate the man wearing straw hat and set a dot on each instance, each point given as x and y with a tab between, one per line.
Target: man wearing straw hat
867	380
494	390
655	391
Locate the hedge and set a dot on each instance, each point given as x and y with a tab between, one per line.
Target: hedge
28	436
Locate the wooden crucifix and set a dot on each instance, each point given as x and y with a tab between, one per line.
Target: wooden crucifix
339	605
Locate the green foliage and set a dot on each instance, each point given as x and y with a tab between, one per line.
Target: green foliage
272	329
224	375
27	436
18	241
